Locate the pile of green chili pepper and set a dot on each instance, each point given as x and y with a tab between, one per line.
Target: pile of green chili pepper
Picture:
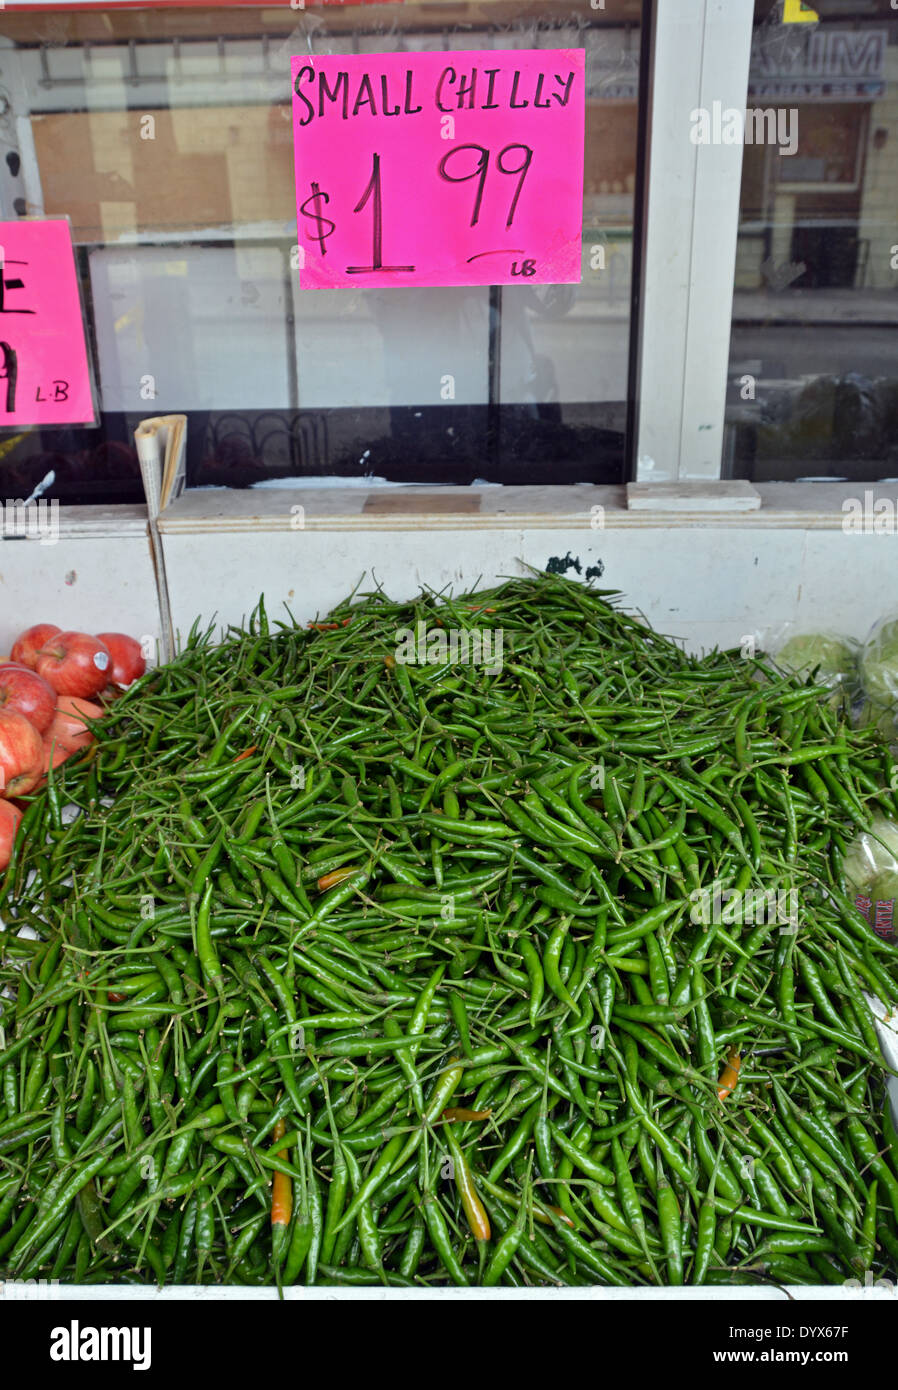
425	941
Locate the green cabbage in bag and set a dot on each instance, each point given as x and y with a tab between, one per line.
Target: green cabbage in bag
833	657
879	664
885	721
831	660
872	853
870	865
884	887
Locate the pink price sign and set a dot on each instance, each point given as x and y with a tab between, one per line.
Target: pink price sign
44	372
461	168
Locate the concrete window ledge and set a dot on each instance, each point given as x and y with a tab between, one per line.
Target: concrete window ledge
784	506
81	523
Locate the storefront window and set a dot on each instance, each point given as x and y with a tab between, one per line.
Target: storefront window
165	135
813	388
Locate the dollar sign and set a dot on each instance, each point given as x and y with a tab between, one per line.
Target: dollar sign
325	227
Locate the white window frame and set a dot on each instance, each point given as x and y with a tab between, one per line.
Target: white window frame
701	55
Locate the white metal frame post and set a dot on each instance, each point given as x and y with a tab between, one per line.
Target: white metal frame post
701	60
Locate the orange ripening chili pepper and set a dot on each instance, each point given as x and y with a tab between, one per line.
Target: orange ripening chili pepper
116	998
729	1076
248	754
458	1112
324	627
389	661
281	1187
475	1211
562	1216
541	1214
334	877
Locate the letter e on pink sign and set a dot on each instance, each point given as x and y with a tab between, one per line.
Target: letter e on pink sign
44	371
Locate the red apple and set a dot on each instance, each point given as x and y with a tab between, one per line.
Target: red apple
127	657
68	727
29	644
10	816
27	693
74	664
21	754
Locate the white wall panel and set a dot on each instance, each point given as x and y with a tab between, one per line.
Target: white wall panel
702	52
100	583
709	586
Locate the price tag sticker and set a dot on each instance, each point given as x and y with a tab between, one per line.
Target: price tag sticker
447	168
44	367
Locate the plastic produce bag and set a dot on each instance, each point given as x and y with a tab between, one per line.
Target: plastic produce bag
884	719
871	868
830	658
879	664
